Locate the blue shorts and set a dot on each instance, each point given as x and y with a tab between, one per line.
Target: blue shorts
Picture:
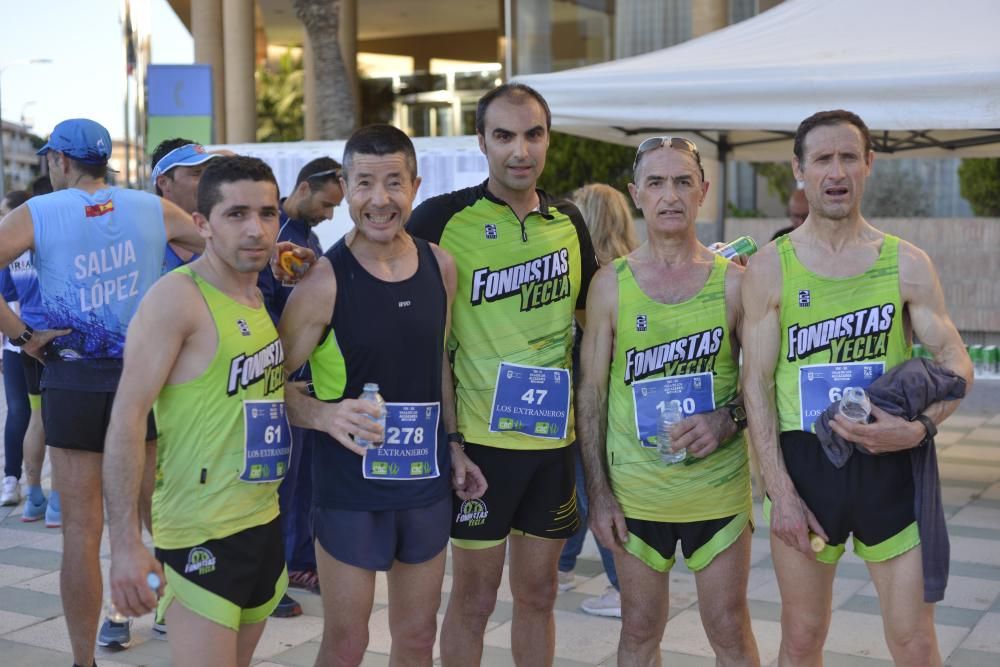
373	540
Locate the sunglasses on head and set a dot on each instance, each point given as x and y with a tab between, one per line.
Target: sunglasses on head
679	143
323	174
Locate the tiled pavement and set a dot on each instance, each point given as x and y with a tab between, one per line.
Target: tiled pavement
33	632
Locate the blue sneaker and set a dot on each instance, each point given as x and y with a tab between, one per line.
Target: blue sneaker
33	512
53	513
115	635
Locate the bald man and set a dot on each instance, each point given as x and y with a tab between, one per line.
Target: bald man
798	210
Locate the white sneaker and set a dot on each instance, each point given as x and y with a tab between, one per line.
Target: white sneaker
567	580
11	492
609	604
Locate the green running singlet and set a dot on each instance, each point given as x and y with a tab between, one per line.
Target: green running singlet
658	340
518	288
199	493
834	331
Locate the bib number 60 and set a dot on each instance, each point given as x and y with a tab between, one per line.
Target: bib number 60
837	393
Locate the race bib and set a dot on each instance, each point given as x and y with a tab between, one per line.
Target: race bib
411	444
531	400
650	397
823	384
267	444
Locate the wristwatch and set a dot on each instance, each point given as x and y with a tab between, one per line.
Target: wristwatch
738	415
24	337
929	425
458	438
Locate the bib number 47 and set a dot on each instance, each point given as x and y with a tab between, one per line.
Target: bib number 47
534	396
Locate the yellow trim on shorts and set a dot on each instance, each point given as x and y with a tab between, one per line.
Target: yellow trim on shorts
638	547
830	554
722	540
35	401
885	550
215	607
479	545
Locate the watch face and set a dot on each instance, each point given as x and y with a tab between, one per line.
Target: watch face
739	414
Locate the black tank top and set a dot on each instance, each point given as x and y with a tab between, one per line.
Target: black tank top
391	333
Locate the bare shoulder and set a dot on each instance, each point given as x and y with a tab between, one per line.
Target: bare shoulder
604	284
173	304
314	296
762	276
445	262
914	263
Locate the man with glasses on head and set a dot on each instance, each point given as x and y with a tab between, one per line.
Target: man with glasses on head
662	326
317	192
798	211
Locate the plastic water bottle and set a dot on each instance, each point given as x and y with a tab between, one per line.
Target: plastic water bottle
115	616
855	405
669	417
370	393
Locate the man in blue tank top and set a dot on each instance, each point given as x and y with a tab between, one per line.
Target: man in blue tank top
97	250
386	508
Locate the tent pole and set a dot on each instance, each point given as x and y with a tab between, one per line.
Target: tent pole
723	156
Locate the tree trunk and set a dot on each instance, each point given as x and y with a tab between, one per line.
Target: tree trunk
334	93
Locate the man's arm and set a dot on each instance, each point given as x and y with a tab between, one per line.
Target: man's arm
308	311
606	517
920	290
180	228
702	434
17	234
154	341
466	477
760	335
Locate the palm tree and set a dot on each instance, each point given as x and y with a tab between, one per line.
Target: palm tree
334	93
279	100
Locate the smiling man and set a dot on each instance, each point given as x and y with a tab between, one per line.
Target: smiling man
833	304
375	308
524	261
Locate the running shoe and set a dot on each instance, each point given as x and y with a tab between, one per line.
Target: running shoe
53	513
33	512
567	580
115	635
160	629
609	604
11	494
307	580
287	608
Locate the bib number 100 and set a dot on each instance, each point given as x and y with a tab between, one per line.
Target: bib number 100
404	436
687	406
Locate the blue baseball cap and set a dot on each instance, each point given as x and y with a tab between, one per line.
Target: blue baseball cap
187	155
81	139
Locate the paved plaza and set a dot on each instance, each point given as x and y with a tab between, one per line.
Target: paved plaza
33	632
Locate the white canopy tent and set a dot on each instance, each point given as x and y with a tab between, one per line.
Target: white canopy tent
924	75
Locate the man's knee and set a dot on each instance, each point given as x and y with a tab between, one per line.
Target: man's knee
641	625
803	634
343	645
415	638
913	645
540	596
728	625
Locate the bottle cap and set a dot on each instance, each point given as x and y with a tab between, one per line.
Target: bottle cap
153	581
816	543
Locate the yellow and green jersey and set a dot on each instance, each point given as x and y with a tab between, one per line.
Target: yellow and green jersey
683	352
835	333
211	480
519	284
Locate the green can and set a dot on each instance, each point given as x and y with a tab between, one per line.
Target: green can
976	354
744	245
918	351
991	359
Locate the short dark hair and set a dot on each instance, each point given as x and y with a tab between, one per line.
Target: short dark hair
834	117
230	169
41	185
97	171
161	150
517	93
15	198
380	139
319	172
